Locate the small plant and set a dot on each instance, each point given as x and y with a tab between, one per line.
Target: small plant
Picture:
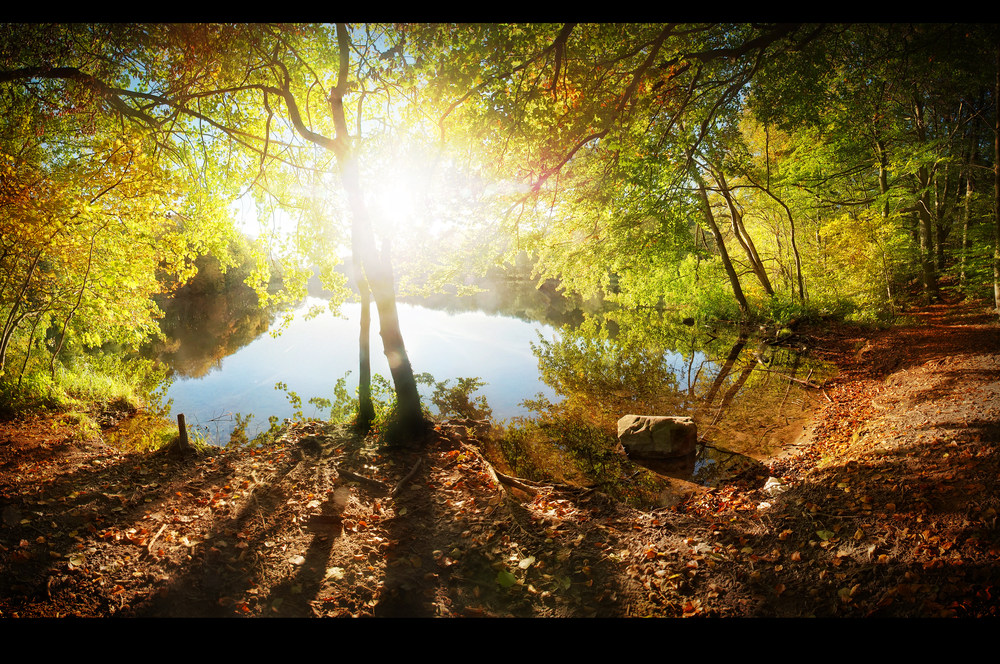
293	398
238	436
457	401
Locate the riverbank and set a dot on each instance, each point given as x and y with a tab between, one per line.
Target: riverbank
887	508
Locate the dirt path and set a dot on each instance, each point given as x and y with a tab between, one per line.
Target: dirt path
888	509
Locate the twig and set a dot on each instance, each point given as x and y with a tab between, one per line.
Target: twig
797	380
402	482
149	547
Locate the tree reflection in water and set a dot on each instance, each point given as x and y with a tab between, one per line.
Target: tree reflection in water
737	388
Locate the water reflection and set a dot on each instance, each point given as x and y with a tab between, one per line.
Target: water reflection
748	399
310	355
558	386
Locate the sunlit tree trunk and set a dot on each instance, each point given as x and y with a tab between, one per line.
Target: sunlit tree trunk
377	269
739	230
366	411
378	274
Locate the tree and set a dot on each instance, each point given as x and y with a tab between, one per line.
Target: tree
575	111
89	233
898	108
206	85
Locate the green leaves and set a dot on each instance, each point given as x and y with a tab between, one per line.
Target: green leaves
505	579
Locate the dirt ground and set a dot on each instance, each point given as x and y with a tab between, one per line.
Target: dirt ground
888	507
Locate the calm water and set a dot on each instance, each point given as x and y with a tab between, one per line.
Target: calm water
310	355
747	396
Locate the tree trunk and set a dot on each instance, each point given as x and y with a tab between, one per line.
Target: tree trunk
883	175
409	414
996	186
926	228
743	237
966	216
720	244
377	270
366	411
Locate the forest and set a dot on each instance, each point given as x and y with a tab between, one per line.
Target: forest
754	177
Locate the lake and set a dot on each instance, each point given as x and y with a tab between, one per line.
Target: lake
310	355
581	366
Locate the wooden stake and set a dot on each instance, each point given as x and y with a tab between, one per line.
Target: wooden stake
182	441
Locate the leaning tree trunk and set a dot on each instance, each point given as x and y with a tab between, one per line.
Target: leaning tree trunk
740	231
377	269
720	244
378	274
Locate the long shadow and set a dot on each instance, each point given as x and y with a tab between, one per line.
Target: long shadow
405	590
482	561
65	534
215	578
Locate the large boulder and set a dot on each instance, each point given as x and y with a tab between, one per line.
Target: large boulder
657	436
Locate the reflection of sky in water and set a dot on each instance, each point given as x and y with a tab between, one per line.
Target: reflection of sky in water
311	355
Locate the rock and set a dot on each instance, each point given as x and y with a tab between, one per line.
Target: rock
657	436
688	321
773	486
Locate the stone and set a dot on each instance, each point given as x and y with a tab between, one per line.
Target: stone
657	436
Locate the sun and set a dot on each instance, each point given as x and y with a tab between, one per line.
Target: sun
395	199
429	205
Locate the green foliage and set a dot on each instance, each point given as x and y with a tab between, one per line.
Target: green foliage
238	436
91	381
560	446
343	407
457	400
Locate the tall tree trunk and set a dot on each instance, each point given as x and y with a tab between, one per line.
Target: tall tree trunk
742	236
942	217
966	213
377	269
996	185
366	410
926	229
720	244
766	188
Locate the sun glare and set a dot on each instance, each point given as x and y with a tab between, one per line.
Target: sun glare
395	200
